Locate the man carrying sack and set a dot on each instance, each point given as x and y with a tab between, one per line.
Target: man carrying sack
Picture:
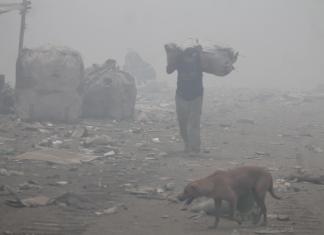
189	96
190	63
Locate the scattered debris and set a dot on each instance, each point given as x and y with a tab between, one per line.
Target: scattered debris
112	210
283	217
98	140
142	190
281	185
73	200
156	140
56	156
169	187
5	172
307	178
80	132
264	154
110	153
275	231
29	185
163	154
57	143
314	149
149	193
61	183
29	202
109	211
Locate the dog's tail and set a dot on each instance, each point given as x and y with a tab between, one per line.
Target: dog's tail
270	190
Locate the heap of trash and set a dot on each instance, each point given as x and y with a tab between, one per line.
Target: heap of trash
108	92
141	70
48	84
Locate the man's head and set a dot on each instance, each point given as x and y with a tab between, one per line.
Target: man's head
191	54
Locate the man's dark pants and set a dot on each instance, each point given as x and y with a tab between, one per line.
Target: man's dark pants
189	113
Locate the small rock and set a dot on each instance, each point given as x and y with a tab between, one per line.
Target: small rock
283	218
169	187
110	211
80	132
262	154
136	130
156	140
98	140
61	183
4	172
150	158
27	186
314	149
46	143
160	190
163	154
164	216
57	143
110	153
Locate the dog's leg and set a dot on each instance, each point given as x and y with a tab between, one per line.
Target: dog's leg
232	199
257	218
217	203
260	198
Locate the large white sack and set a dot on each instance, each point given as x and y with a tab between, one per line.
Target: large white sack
218	60
214	59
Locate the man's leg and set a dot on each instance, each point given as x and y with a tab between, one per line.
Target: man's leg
182	108
194	124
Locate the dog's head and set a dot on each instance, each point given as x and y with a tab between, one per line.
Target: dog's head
189	193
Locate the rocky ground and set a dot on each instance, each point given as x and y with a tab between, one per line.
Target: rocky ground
110	177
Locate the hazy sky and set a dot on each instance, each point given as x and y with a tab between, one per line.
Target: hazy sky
280	41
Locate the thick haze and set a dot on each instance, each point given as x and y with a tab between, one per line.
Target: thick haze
281	42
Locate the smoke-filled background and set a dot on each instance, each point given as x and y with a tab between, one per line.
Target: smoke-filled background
280	42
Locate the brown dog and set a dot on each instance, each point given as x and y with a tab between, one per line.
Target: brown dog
230	185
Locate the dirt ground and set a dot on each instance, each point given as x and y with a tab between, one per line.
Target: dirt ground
129	187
